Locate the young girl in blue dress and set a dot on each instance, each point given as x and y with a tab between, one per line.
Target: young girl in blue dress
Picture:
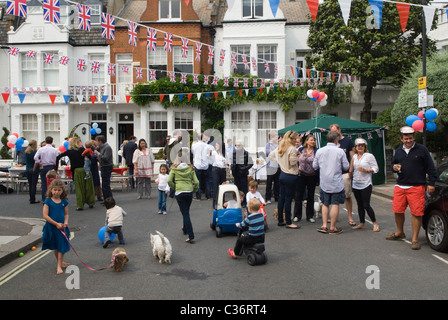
55	212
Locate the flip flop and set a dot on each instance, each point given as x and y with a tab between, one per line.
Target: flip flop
352	223
290	226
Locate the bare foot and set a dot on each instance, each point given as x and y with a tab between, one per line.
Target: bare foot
59	271
65	265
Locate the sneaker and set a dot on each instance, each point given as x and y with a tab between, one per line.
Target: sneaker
231	253
87	177
164	212
159	212
296	219
268	202
106	244
311	220
392	236
415	245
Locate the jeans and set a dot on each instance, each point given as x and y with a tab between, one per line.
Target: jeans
288	184
32	177
184	200
116	230
203	183
162	201
306	186
272	178
131	176
43	180
106	174
363	200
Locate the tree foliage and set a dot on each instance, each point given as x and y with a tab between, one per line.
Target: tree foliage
384	54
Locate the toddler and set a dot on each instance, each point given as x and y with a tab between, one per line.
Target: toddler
253	193
51	175
232	204
114	221
163	188
87	154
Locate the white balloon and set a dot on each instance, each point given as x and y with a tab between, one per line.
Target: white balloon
25	143
309	93
12	138
323	103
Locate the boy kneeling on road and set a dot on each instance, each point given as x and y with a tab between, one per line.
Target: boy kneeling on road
254	222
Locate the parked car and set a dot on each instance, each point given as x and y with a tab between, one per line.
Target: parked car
435	220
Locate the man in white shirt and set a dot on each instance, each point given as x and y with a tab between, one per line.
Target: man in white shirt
201	156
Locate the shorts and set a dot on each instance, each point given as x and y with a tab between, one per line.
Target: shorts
347	185
332	198
414	197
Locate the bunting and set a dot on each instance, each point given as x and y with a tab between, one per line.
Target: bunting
107	26
403	13
83	17
51	11
151	39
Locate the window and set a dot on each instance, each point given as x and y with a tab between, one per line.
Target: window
267	122
240	67
157	60
267	53
52	126
182	64
184	120
158	129
51	72
169	9
29	126
97	78
95	14
101	120
302	116
252	9
124	60
301	63
29	71
240	125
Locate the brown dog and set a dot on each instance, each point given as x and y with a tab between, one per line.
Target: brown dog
119	259
276	214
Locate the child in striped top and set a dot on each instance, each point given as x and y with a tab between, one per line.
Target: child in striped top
254	222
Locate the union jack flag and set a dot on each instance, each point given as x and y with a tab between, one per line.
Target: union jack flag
125	69
81	65
107	26
245	82
226	81
222	54
254	63
195	79
275	69
198	51
271	83
132	33
184	48
235	81
205	80
31	54
211	54
168	41
16	8
215	80
183	78
83	17
255	82
267	69
138	73
172	76
64	60
95	68
152	74
262	85
13	51
151	43
233	60
111	69
246	64
51	11
48	58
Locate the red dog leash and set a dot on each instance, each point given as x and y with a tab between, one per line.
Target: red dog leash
88	267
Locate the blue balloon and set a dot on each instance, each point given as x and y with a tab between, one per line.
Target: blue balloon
430	114
19	142
92	131
19	148
95	125
98	130
66	143
431	126
410	119
101	234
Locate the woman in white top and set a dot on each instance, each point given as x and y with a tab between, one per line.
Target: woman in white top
362	166
219	163
143	161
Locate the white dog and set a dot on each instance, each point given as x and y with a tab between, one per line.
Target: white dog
161	247
317	208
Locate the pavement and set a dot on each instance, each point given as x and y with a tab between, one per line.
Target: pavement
19	235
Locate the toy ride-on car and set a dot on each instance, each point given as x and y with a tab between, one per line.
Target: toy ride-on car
255	252
225	217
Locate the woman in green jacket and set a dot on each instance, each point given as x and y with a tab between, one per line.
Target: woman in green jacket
183	180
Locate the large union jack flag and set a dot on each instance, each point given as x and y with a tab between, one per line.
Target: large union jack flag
81	65
95	68
107	26
48	58
151	43
168	42
211	54
83	17
246	64
132	33
184	48
51	11
16	8
267	69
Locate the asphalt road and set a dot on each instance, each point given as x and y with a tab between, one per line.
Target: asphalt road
302	264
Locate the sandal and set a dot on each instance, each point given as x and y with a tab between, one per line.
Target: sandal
322	229
189	240
292	226
335	231
393	236
231	253
281	224
376	228
352	223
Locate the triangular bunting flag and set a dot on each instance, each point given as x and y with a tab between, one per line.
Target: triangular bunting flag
240	91
52	98
232	93
224	93
79	96
216	95
345	9
105	98
403	13
171	95
93	98
377	8
161	97
66	98
274	6
429	16
5	97
21	97
189	96
128	98
187	2
199	95
181	97
207	95
313	5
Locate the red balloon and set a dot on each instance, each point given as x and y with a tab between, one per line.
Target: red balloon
418	125
62	148
321	95
15	134
420	114
315	94
10	145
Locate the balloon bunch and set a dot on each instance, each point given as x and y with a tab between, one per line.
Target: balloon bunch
95	129
15	142
318	96
416	121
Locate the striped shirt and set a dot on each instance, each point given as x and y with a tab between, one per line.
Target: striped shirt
255	221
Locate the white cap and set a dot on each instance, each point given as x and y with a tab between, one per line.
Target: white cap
360	141
406	130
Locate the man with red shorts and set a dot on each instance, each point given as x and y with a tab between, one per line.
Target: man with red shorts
412	162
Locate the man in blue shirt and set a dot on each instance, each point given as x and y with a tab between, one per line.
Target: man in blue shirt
331	161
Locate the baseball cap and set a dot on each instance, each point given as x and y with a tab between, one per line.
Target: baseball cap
360	141
406	130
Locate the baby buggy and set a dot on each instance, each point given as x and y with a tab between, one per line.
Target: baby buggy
224	219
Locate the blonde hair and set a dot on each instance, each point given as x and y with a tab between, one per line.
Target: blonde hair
75	143
253	205
32	146
286	141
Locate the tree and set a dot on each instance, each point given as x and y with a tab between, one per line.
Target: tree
4	150
384	54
